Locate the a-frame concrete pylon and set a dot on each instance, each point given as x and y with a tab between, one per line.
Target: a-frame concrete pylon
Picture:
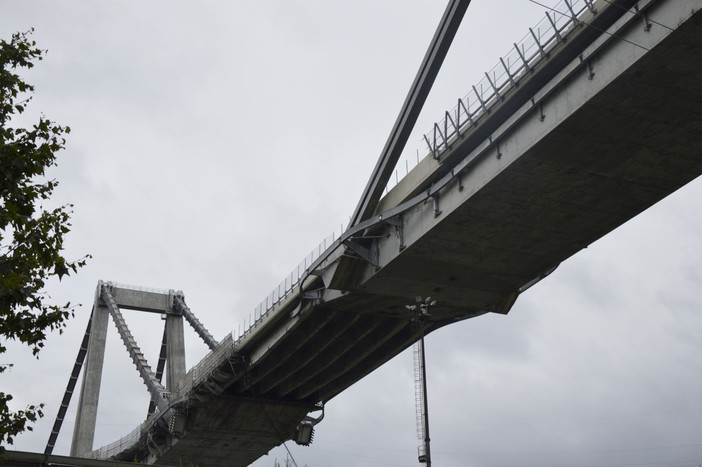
109	299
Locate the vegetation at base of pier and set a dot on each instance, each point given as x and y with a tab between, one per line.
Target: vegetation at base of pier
31	235
288	463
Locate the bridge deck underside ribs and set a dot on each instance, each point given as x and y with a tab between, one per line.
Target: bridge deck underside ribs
340	345
235	431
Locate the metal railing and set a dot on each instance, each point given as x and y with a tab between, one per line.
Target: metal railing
558	23
122	444
141	288
284	289
509	71
200	372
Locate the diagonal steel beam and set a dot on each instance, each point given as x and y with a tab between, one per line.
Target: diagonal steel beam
70	387
414	102
155	388
160	366
180	306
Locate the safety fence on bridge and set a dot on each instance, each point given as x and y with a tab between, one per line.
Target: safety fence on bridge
224	350
125	442
286	287
558	23
515	65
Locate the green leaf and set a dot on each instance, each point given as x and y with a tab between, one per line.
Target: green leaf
32	236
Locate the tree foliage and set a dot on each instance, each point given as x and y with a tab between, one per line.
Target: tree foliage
31	235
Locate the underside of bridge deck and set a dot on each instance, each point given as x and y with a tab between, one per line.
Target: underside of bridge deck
234	430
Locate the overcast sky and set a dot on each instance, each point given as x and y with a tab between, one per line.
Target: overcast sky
215	143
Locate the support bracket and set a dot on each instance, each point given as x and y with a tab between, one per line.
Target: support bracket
315	420
316	294
590	71
435	200
368	254
524	60
399	228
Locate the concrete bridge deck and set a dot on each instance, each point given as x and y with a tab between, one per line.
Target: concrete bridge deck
609	126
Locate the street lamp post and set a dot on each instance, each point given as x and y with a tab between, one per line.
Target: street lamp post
426	401
422	309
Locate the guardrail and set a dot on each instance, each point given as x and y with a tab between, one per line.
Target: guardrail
125	442
512	67
558	22
285	288
202	370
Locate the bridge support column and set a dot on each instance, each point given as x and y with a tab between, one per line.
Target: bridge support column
84	430
175	350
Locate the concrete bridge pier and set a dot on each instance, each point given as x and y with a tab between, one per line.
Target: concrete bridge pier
84	429
174	356
175	347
